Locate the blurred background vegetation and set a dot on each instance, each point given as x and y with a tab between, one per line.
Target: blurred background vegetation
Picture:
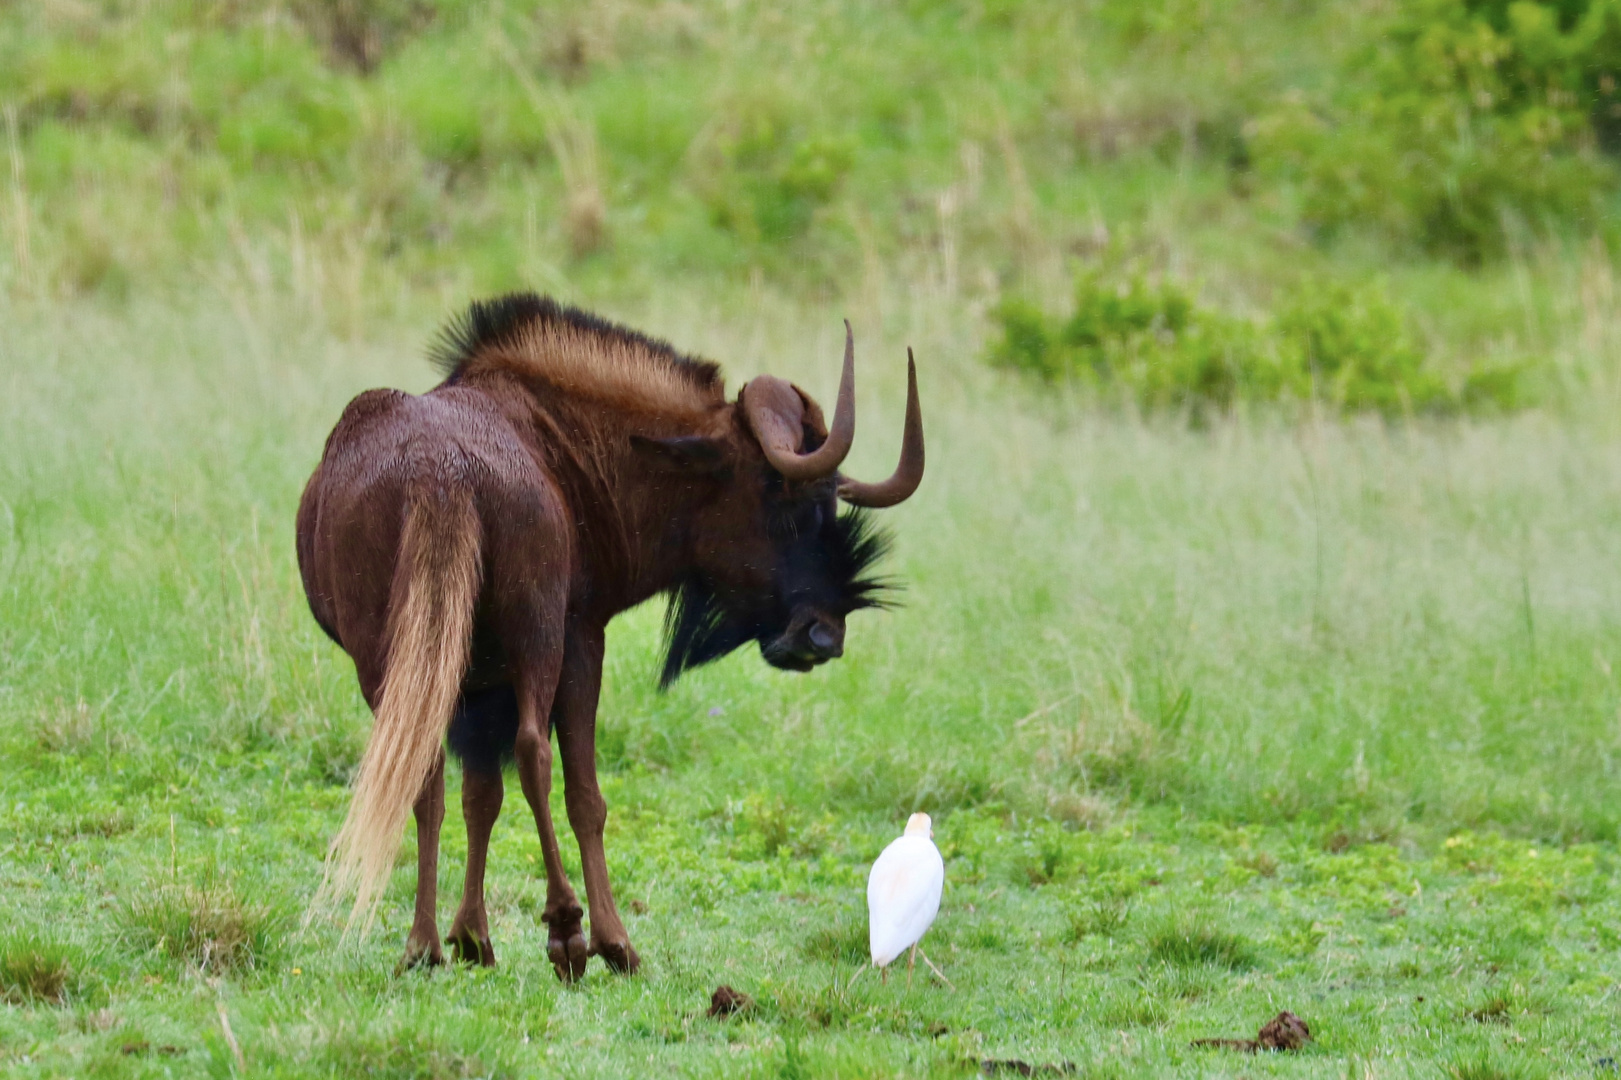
1391	205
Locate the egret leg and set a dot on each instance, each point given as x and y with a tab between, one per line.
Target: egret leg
934	969
883	975
911	959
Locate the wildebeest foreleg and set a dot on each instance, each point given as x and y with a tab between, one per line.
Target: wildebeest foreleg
481	804
422	946
576	714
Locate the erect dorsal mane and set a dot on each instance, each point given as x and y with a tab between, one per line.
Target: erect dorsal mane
505	321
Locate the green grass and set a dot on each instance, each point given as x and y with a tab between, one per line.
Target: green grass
36	969
1316	716
1285	711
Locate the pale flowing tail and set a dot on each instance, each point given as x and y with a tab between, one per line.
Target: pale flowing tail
436	583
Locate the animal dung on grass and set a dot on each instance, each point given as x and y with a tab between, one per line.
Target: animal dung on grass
725	1001
1285	1031
903	892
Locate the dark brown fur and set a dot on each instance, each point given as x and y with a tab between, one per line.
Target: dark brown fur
468	548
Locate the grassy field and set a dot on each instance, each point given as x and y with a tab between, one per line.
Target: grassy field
1318	717
1217	714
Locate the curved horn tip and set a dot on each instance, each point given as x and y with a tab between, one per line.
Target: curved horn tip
909	472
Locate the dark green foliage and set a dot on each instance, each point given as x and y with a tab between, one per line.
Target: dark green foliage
1354	348
1459	121
1156	346
1147	342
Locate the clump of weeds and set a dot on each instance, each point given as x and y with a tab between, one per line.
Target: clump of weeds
207	925
34	968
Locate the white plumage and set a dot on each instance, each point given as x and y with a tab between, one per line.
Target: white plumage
903	891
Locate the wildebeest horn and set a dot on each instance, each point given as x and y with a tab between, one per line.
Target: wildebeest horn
909	473
775	413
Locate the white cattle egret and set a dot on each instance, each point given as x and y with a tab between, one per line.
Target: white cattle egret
903	895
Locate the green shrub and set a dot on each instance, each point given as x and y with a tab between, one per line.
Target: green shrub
1354	347
1148	343
1156	346
1459	117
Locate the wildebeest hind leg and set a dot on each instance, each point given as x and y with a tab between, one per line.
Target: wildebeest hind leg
564	941
422	946
576	715
481	804
537	687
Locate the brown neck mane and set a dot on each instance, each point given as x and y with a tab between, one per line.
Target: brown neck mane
580	388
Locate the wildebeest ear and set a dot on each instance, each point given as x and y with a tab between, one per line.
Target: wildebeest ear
684	453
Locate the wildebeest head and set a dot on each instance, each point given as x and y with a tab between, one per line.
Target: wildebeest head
775	562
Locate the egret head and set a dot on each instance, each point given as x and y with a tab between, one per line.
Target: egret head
920	825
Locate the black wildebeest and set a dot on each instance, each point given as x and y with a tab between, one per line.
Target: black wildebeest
468	547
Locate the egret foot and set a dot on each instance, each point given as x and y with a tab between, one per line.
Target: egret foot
565	942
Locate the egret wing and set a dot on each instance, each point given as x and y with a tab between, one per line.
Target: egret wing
903	896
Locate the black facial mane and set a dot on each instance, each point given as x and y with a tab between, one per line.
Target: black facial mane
698	630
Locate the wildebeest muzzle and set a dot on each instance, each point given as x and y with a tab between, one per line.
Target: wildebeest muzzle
812	638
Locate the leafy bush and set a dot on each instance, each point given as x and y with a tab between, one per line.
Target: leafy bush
1459	115
1353	347
1152	343
1156	346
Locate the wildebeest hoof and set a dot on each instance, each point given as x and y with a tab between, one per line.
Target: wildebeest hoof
568	955
618	955
471	948
420	954
565	942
